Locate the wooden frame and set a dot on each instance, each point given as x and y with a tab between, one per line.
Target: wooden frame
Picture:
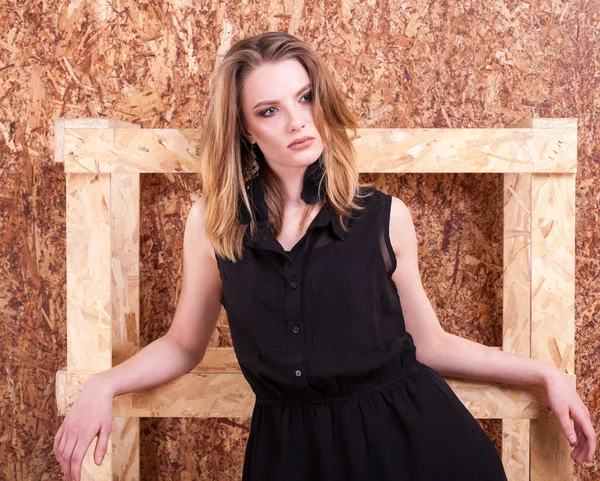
103	159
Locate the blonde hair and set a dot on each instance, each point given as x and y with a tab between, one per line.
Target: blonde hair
221	148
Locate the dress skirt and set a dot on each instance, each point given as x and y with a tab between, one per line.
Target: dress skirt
411	428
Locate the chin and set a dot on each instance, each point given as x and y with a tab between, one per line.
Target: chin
310	159
310	153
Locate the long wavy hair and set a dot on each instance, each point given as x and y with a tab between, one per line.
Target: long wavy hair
222	147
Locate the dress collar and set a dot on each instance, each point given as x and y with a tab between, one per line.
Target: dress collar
263	237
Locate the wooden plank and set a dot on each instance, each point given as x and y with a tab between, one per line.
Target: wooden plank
125	271
552	309
125	265
88	280
201	394
218	360
516	310
516	322
378	150
467	150
88	288
517	264
88	272
82	123
553	276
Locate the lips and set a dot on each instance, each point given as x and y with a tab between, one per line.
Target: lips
300	140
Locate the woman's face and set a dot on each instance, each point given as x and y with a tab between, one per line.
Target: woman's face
285	115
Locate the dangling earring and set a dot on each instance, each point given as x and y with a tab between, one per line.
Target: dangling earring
254	191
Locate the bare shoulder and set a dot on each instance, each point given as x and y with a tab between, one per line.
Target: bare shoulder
195	228
195	223
403	236
197	249
197	212
199	300
419	316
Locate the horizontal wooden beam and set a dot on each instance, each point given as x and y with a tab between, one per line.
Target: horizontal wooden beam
552	149
201	393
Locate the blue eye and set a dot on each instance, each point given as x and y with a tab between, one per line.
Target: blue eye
262	114
308	94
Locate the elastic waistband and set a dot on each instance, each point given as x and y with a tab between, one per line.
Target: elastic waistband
415	367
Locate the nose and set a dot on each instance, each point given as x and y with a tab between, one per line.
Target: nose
296	121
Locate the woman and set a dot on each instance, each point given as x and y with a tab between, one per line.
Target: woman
318	274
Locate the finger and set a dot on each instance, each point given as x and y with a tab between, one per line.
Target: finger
581	443
77	459
61	449
102	444
57	438
591	445
579	452
62	443
580	438
55	449
67	453
588	430
567	427
582	452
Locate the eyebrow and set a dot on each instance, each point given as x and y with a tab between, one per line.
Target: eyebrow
276	101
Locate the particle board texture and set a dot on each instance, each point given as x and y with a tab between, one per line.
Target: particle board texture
399	65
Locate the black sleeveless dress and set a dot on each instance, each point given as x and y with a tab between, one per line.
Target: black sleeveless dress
340	396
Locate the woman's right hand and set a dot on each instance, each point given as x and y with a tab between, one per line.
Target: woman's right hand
90	416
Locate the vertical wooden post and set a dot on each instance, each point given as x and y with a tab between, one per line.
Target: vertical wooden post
516	309
89	300
125	270
552	304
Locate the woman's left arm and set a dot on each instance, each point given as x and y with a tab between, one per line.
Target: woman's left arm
456	356
452	355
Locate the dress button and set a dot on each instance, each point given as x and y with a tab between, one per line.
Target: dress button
294	284
298	373
296	329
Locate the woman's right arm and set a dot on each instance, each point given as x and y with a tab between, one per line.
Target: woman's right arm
198	307
160	361
166	358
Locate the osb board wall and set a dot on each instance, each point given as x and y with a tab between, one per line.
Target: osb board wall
415	65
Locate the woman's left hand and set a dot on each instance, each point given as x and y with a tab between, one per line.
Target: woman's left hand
566	405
